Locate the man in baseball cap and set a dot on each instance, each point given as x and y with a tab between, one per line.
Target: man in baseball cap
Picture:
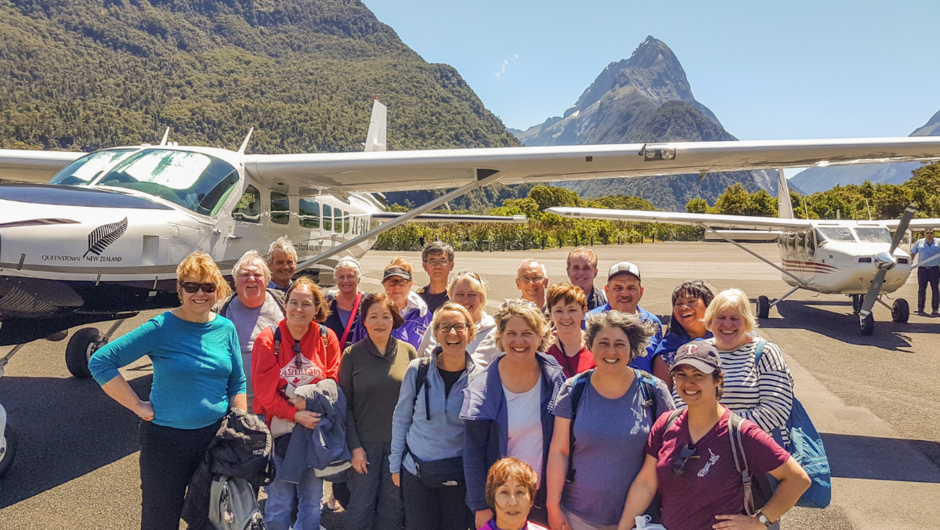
624	292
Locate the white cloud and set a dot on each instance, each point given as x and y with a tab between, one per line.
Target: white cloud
502	69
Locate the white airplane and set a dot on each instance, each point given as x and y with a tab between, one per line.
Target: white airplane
855	258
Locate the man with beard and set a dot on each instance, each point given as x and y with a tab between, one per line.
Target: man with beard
624	292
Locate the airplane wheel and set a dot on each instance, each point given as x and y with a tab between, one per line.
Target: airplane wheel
867	326
763	307
79	350
7	450
900	311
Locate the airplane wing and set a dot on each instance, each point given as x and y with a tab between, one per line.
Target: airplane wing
453	218
33	166
916	224
451	168
709	220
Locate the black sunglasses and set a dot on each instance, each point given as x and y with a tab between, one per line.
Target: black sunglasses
298	355
193	287
678	467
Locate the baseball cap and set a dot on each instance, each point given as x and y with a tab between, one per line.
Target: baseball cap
396	271
624	267
699	355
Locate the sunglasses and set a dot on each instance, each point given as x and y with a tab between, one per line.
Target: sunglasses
298	356
194	287
397	283
678	467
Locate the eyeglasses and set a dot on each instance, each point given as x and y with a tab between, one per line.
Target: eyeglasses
456	326
396	283
194	287
443	262
531	279
678	467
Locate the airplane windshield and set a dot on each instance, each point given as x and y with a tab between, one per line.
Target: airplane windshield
873	235
86	168
195	181
834	233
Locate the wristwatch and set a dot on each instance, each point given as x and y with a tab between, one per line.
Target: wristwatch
763	519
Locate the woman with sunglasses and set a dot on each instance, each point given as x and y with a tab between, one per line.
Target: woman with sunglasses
507	409
689	302
468	289
197	377
607	454
689	460
398	281
427	431
370	375
303	358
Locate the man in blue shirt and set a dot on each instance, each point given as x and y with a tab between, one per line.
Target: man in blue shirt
624	292
282	262
925	249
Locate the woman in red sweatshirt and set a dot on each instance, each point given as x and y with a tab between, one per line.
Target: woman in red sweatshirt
306	353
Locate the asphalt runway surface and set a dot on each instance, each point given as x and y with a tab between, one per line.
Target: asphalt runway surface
873	398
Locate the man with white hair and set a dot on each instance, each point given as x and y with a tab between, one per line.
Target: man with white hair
253	307
532	280
282	262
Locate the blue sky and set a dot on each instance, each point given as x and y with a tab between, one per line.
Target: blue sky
769	70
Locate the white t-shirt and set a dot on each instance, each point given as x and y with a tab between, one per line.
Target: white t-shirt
525	425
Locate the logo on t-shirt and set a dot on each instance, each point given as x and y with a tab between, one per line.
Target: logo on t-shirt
304	375
708	465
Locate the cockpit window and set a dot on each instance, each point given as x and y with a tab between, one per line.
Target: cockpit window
834	233
86	168
873	235
195	181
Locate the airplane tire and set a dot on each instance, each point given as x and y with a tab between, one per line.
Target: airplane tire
900	311
79	349
6	458
867	326
763	307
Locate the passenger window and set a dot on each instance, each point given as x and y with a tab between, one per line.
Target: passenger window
309	213
338	221
346	227
327	217
280	208
248	208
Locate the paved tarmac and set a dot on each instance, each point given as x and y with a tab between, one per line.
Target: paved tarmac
872	398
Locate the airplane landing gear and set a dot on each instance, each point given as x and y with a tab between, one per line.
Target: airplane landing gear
857	303
83	344
763	307
867	325
900	310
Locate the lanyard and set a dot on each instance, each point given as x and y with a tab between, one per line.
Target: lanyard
349	323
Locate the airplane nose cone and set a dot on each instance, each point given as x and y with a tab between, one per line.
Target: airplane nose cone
885	261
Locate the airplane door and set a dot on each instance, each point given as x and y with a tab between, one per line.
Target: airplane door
247	231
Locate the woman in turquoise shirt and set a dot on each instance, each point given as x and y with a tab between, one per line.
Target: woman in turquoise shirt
197	376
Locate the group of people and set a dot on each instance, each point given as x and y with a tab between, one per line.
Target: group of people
555	410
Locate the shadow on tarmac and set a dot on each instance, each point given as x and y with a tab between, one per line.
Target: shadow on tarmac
67	428
867	457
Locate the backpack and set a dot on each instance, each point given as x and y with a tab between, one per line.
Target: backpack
233	505
277	338
806	447
647	389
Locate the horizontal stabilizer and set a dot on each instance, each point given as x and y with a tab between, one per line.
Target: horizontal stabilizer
742	235
453	218
695	219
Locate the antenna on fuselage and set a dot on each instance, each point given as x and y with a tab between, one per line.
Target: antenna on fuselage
241	150
784	207
165	136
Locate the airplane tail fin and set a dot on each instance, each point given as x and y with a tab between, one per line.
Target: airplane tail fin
375	139
784	208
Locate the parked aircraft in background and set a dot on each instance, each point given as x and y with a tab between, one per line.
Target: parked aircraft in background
856	258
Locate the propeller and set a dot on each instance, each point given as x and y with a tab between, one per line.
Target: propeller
885	262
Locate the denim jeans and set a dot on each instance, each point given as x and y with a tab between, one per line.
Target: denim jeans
282	496
375	502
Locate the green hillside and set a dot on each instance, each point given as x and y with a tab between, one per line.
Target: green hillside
86	74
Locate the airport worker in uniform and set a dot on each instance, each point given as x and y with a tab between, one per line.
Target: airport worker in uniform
567	307
532	280
370	374
397	281
926	248
282	262
624	291
345	301
689	302
438	261
582	269
690	465
469	290
197	377
252	308
611	428
507	409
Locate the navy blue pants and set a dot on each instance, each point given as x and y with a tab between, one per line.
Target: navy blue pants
928	276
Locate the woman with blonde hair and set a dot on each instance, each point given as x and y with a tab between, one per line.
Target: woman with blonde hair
344	318
398	280
197	377
507	409
468	289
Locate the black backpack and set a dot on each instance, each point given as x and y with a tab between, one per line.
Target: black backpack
647	389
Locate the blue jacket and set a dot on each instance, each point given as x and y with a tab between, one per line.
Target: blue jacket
671	343
440	438
417	320
487	426
646	362
324	448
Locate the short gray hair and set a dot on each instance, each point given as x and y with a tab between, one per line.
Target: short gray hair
284	245
638	332
252	256
528	261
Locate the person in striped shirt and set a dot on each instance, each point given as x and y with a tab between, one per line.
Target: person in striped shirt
761	392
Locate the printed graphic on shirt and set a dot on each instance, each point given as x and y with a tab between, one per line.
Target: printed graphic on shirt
306	374
638	416
713	459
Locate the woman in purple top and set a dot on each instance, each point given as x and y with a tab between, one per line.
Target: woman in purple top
690	462
398	281
689	302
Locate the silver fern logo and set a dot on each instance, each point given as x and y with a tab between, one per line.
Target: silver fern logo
101	238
